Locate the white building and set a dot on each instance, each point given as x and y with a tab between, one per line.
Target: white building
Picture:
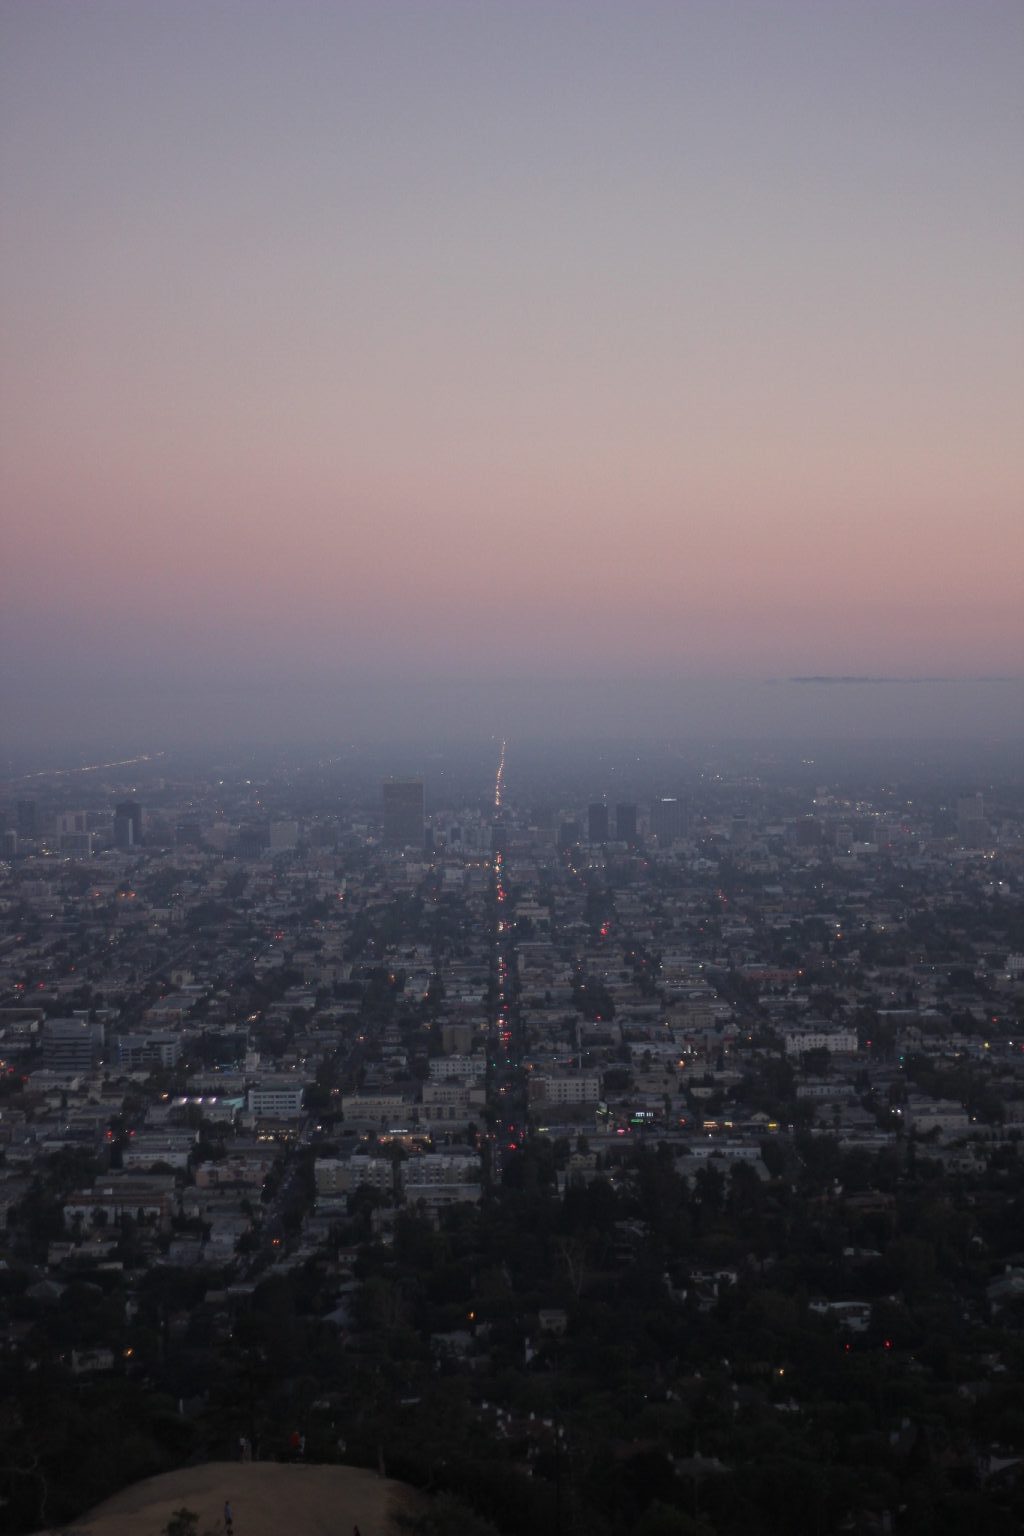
276	1098
450	1103
341	1176
566	1087
378	1111
950	1118
442	1178
838	1041
153	1049
441	1168
467	1067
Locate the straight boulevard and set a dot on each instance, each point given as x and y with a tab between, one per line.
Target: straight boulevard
506	1080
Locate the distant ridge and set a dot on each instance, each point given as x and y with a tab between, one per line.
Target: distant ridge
853	679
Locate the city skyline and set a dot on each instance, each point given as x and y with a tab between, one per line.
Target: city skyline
519	1159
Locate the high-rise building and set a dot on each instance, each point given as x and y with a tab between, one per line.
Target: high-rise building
403	813
284	835
323	834
741	833
127	824
568	834
28	817
71	1045
252	841
971	826
625	823
668	819
807	832
597	823
77	845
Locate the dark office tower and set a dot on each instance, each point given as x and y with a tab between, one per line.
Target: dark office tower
127	824
28	818
807	832
740	836
625	823
71	1045
568	834
403	813
971	826
499	837
668	819
597	823
252	841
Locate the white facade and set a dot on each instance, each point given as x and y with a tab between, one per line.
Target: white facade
276	1100
467	1067
449	1103
340	1176
378	1111
136	1052
841	1041
950	1118
440	1168
572	1087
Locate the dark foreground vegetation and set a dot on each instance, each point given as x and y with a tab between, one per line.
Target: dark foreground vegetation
635	1355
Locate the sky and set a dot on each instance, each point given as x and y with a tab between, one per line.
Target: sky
392	351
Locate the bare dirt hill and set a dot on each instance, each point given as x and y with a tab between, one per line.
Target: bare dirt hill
267	1499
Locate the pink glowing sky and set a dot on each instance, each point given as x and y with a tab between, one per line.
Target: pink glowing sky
612	338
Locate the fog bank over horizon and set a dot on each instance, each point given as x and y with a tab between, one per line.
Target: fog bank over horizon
131	712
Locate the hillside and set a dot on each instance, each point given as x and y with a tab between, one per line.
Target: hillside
267	1499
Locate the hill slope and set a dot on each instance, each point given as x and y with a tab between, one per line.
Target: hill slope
267	1499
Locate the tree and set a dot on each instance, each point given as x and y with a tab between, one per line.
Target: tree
709	1186
183	1522
449	1516
817	1061
665	1520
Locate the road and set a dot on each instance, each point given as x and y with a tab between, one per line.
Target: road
506	1079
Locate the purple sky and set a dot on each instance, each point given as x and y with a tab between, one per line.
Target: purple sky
461	341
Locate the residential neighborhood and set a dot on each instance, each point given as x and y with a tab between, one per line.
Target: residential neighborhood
445	1091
